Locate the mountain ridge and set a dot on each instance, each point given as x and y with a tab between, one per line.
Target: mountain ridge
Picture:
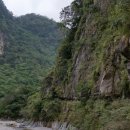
28	46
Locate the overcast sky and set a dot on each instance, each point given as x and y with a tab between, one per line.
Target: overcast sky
49	8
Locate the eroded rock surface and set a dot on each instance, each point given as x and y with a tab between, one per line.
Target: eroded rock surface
1	43
109	83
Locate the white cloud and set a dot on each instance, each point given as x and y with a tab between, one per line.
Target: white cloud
49	8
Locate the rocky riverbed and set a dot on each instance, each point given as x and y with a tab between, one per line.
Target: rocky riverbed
12	125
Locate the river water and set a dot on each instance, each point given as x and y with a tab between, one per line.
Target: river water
12	125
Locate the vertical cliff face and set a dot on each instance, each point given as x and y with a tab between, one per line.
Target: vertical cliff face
100	49
94	63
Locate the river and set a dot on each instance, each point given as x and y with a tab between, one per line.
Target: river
12	125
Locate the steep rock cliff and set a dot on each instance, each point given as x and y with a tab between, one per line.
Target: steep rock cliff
93	67
99	48
89	87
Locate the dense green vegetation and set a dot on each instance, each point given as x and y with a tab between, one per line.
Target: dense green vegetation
90	51
89	85
30	43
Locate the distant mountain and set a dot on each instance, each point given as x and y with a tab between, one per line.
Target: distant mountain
28	46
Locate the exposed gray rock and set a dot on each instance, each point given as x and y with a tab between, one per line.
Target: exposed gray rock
1	43
110	79
128	68
80	64
62	126
106	85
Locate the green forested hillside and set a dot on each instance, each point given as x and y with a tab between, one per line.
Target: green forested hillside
28	47
89	86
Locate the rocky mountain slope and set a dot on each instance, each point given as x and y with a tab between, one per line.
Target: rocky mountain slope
89	87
